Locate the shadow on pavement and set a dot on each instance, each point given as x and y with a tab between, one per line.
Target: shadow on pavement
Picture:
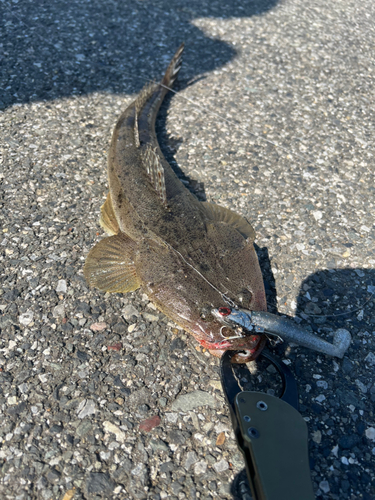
338	298
61	48
328	300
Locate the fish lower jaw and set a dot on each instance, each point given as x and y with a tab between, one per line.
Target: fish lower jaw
249	354
211	346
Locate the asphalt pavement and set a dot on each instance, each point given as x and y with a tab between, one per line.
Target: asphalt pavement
102	396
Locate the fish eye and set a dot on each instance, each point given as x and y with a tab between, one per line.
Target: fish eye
245	297
206	314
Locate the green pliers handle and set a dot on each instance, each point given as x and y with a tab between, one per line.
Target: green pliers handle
272	436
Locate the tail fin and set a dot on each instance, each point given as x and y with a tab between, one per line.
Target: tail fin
173	68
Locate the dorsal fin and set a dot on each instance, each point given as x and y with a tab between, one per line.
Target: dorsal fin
216	213
144	95
155	171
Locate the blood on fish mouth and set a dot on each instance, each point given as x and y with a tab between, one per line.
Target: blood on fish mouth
250	353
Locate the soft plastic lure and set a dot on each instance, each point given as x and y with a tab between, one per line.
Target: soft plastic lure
246	322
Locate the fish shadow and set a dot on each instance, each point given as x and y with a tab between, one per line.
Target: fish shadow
268	278
53	50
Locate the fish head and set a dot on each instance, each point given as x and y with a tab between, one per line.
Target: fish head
245	282
195	315
188	297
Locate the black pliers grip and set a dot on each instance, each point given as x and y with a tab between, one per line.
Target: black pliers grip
271	434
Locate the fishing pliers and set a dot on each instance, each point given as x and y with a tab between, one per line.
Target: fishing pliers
271	434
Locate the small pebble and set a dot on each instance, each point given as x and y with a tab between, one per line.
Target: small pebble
98	327
58	311
361	386
61	286
191	459
150	317
320	398
129	311
98	482
195	399
115	347
335	450
324	486
150	423
114	429
220	439
317	436
86	408
69	494
221	466
138	470
317	215
370	359
200	468
26	318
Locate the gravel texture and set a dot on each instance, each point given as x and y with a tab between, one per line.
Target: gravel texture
101	396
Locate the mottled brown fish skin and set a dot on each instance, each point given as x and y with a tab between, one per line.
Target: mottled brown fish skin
187	256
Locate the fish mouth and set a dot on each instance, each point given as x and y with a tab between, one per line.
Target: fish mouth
236	337
230	336
247	348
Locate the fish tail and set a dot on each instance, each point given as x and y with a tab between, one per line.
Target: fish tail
168	80
173	68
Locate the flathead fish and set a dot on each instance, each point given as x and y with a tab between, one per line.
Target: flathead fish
187	256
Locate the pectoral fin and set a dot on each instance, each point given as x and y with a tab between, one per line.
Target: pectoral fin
220	214
110	265
107	217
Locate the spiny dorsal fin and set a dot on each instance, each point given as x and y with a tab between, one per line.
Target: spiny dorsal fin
155	171
144	96
107	217
216	213
110	265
